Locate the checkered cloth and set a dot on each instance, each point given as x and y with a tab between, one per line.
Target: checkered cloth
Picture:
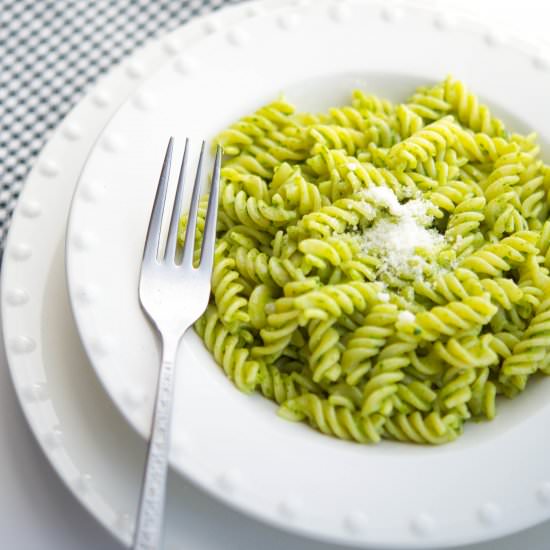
51	52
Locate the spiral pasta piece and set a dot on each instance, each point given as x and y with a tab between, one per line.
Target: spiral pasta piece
531	350
431	428
428	142
449	320
228	350
366	341
469	110
333	420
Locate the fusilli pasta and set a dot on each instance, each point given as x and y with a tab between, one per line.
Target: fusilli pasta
381	270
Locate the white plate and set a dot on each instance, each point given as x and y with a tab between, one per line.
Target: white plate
91	447
234	445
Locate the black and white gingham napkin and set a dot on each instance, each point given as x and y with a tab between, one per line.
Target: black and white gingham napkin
51	52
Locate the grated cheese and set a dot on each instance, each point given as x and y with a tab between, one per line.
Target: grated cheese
383	197
398	237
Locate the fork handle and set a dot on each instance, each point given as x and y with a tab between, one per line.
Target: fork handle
149	526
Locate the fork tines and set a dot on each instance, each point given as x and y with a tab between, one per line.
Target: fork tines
153	241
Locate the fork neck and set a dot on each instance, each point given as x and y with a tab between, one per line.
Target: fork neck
170	344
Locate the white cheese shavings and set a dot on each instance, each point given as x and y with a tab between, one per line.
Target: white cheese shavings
383	296
406	317
383	197
398	238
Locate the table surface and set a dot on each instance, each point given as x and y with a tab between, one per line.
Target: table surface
38	512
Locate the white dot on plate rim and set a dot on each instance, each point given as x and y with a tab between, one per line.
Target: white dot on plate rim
289	507
143	100
254	11
31	209
229	480
17	296
237	37
84	240
391	14
493	38
54	439
541	63
170	45
83	483
87	294
339	12
101	99
134	69
212	25
36	392
71	131
185	64
112	143
489	513
49	168
543	493
288	21
22	344
443	22
90	191
355	521
21	251
423	524
100	348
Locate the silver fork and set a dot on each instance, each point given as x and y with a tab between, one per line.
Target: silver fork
173	295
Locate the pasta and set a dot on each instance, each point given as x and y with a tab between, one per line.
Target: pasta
381	271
